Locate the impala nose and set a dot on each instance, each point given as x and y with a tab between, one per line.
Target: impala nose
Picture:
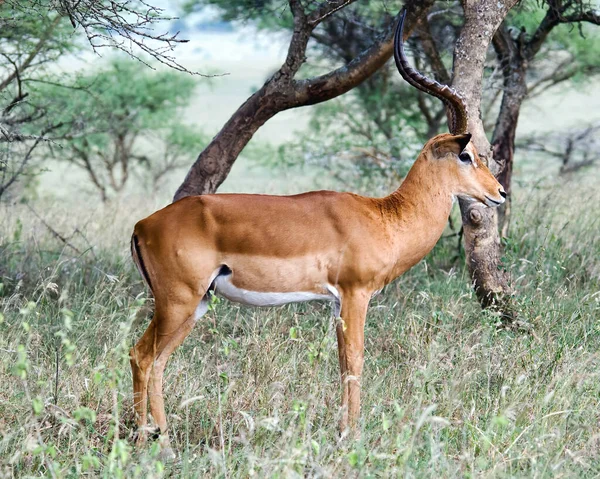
502	193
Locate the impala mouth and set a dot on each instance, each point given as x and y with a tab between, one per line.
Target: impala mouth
491	202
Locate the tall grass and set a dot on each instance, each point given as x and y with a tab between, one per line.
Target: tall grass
255	392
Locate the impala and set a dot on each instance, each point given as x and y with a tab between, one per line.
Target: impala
262	250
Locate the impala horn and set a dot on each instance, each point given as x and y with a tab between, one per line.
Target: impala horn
451	98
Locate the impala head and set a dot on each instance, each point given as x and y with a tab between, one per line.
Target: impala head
463	170
457	164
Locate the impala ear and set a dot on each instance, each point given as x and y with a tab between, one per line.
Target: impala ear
451	144
463	140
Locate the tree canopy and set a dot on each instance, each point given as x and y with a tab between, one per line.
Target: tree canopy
379	124
40	105
110	120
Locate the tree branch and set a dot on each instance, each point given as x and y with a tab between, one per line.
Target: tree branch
339	81
549	21
555	16
297	50
590	16
326	9
550	81
36	50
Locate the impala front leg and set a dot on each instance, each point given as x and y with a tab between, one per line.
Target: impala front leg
350	334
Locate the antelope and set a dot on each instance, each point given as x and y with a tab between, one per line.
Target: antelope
261	250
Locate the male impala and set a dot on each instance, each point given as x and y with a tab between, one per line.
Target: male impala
263	250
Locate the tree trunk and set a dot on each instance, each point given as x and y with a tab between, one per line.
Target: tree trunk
282	92
481	236
513	64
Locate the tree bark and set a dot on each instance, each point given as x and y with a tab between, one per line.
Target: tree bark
481	236
514	69
281	92
515	55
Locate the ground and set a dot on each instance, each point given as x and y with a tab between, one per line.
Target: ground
255	392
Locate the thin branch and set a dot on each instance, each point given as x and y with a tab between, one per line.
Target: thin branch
36	50
552	80
440	73
126	26
575	148
55	233
590	16
6	185
20	95
326	9
555	15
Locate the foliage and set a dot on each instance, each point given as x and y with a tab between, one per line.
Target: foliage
115	120
369	128
373	130
267	14
364	153
34	35
275	15
23	34
446	394
570	53
29	45
578	148
179	144
125	25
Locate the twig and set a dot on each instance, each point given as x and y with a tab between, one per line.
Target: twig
54	232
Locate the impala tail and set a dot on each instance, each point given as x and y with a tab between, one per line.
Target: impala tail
138	259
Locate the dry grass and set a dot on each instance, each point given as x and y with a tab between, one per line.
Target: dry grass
446	394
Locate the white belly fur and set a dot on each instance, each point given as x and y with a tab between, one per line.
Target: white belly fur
224	287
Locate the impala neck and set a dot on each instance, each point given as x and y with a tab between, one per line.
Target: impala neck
419	211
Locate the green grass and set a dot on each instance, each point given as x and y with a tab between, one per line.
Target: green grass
255	392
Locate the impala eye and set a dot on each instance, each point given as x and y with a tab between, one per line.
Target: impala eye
465	157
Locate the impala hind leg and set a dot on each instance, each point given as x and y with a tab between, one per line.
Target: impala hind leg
168	323
168	342
350	334
141	357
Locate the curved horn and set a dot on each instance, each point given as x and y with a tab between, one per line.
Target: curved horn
452	99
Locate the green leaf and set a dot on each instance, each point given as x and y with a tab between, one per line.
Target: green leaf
38	405
315	447
85	414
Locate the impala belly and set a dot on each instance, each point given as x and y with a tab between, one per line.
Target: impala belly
225	287
255	281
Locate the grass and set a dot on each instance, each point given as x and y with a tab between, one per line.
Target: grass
255	392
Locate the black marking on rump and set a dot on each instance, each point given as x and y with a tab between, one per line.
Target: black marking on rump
139	260
224	271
